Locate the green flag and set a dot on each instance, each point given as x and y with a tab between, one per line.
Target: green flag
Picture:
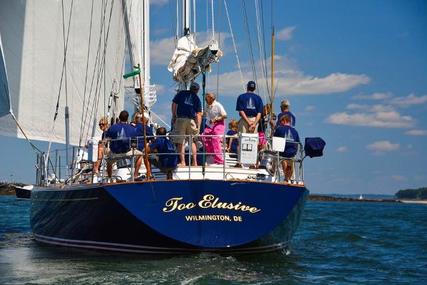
136	71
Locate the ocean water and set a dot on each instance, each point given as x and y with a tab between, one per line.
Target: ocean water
337	243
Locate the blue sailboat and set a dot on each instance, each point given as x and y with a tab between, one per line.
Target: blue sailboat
213	208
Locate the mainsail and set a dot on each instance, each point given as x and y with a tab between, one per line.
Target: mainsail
71	50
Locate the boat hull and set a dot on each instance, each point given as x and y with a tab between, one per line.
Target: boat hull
169	216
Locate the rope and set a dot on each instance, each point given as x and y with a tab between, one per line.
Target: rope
86	75
261	44
250	41
234	45
63	68
25	135
213	20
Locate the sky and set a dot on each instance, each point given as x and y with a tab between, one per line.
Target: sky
355	73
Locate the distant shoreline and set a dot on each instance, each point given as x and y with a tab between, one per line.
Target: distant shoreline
9	190
326	198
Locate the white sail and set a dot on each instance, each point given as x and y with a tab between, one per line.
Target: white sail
4	86
33	35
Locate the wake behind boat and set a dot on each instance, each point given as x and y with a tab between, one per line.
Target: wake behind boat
211	207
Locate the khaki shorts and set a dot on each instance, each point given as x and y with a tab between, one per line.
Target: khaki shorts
244	126
184	126
113	157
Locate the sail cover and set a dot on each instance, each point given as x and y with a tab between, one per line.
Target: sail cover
34	34
4	88
188	60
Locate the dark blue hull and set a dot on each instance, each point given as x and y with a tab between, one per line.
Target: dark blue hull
169	217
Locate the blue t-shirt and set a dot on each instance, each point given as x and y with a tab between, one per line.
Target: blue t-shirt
250	103
168	157
120	135
139	129
234	143
286	113
292	138
188	104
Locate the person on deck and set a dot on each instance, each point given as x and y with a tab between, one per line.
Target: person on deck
233	140
187	118
167	158
284	107
103	125
250	107
214	130
120	135
144	135
285	130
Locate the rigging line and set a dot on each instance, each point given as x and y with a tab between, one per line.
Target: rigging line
63	68
160	119
96	63
194	17
25	135
260	45
234	45
86	74
219	45
213	19
102	67
264	49
250	41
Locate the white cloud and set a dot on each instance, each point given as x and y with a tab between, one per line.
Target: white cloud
310	108
383	119
291	81
285	34
383	146
416	133
409	100
374	96
342	149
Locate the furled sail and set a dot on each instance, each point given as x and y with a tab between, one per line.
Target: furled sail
188	60
4	88
36	36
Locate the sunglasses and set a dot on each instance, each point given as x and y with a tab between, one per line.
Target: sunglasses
101	125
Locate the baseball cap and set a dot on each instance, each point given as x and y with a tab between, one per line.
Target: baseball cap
194	86
251	84
284	103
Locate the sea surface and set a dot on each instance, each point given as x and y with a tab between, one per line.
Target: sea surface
336	243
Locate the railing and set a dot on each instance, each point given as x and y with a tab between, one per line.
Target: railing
267	167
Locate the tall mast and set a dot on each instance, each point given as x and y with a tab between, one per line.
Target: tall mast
186	16
145	89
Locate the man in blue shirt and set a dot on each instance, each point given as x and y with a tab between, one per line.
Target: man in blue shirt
167	158
120	135
284	107
187	118
285	130
250	106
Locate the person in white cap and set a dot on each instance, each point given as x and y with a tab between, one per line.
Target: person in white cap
284	107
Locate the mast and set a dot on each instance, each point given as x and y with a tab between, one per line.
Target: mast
186	16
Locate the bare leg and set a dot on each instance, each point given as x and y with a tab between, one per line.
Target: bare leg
194	150
284	168
181	154
109	169
138	163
